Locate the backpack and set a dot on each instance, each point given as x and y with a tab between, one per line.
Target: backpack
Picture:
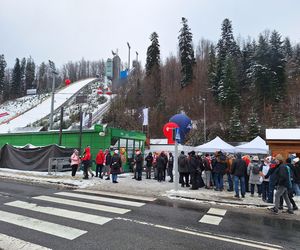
255	169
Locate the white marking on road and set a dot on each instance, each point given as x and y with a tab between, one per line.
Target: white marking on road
217	211
108	193
210	219
41	226
104	199
239	241
95	219
83	204
8	243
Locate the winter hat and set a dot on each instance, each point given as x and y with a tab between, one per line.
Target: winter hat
295	160
279	157
255	158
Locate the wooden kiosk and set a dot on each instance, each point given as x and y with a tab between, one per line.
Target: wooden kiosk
283	141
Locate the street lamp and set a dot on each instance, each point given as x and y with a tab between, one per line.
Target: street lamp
53	71
204	119
137	56
128	56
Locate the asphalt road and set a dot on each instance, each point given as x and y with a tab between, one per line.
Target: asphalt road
159	224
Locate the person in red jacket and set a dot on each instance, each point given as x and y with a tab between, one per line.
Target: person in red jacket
86	161
99	162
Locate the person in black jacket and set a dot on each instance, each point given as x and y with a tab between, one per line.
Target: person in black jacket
283	182
139	161
193	166
170	166
239	171
161	163
149	162
296	180
272	181
183	170
290	190
115	166
219	167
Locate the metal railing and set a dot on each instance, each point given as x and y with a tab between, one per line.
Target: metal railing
58	164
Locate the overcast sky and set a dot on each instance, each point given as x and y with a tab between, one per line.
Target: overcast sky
65	30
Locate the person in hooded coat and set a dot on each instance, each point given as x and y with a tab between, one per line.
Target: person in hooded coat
86	161
100	158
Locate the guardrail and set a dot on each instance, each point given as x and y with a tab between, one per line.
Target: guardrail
58	164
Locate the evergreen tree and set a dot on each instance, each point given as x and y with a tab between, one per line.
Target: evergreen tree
287	48
260	72
15	90
23	77
227	89
253	125
295	62
2	77
153	72
153	55
212	70
226	48
42	78
186	50
277	66
235	126
29	73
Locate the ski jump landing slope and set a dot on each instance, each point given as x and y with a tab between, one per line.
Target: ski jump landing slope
43	109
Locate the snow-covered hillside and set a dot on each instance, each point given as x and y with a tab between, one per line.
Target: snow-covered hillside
39	106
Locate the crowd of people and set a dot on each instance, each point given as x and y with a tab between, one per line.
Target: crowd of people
274	179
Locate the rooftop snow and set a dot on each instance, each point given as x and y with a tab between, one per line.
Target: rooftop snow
283	134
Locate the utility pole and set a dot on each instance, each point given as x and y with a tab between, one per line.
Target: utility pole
54	73
128	56
204	119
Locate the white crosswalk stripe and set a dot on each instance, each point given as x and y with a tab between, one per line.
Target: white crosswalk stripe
104	199
135	197
95	219
41	226
63	231
83	204
9	243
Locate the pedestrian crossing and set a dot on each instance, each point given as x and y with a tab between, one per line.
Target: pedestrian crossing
67	205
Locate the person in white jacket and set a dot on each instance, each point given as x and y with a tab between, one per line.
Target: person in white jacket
75	161
264	169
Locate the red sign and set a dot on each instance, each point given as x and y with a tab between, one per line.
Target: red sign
67	82
168	131
100	91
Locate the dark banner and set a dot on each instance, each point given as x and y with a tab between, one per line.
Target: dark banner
32	159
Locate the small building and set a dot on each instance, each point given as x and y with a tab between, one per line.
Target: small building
98	137
283	141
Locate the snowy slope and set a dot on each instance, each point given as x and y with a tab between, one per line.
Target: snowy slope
43	109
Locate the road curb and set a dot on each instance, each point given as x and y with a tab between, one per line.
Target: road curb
220	202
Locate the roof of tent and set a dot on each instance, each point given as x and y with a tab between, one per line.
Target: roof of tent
256	146
214	145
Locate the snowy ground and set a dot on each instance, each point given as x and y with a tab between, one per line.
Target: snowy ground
43	109
20	105
127	185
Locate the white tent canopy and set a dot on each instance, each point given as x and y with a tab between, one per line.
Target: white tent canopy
256	146
214	145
